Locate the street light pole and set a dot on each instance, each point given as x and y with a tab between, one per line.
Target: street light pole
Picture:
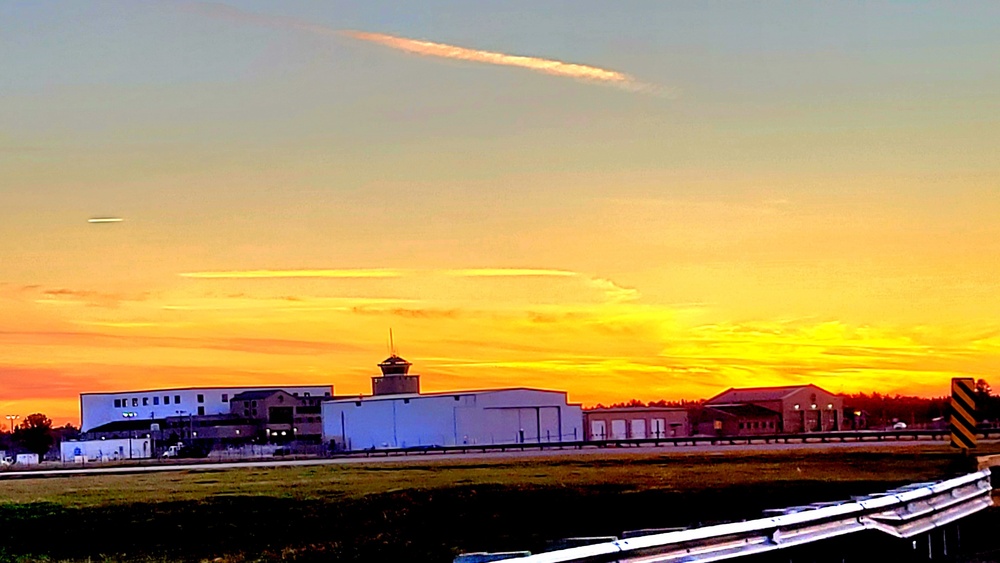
12	418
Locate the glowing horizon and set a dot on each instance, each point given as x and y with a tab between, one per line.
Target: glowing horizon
294	180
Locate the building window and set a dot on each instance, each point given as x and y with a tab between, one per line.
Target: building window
145	401
201	411
406	401
135	401
253	403
156	401
118	403
225	397
457	398
177	399
327	394
357	403
201	398
306	393
166	399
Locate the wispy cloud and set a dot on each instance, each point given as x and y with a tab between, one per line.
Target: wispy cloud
264	274
612	291
509	272
273	346
553	67
546	66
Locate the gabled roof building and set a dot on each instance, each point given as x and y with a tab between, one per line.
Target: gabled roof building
799	408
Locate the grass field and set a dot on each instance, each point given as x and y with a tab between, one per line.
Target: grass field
426	510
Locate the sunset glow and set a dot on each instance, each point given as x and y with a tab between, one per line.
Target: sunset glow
819	204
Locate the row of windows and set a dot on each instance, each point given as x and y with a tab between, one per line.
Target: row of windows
134	401
124	403
756	425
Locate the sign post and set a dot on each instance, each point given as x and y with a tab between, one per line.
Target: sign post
963	413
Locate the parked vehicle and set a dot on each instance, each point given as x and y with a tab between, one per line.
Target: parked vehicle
180	450
899	426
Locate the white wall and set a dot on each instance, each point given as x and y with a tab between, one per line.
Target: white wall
483	417
106	450
27	459
99	408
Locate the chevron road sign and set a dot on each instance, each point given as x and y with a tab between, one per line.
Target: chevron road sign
963	413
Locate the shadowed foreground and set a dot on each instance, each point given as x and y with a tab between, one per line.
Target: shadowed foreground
426	511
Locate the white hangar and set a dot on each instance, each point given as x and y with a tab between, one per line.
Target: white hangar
397	415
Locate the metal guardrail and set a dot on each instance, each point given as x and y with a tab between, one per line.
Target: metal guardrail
903	513
807	437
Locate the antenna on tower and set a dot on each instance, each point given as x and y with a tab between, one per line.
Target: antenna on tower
392	345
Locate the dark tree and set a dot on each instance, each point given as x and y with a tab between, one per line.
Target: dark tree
35	434
987	405
67	432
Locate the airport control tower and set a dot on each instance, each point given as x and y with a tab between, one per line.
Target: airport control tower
395	378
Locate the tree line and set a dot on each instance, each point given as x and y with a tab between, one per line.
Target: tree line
36	435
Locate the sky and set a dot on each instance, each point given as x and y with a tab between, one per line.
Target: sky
635	199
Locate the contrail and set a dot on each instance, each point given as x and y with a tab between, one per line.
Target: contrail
547	66
552	67
105	220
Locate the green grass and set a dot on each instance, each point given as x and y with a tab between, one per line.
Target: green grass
428	510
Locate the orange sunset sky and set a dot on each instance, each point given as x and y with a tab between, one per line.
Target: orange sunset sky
652	200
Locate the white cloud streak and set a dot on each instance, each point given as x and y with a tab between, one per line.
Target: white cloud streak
265	274
552	67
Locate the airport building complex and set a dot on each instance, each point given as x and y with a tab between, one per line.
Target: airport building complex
398	415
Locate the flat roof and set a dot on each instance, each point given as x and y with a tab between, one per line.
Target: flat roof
227	388
367	398
635	409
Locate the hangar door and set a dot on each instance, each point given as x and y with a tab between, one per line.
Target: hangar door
525	424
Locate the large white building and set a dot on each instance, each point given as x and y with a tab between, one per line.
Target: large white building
97	409
397	415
